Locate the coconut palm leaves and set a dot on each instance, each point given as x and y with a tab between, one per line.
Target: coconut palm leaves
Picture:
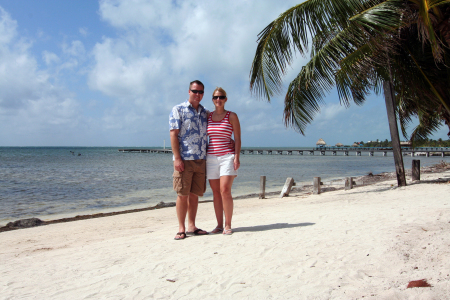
355	45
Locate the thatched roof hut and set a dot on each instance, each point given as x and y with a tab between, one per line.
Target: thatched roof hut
355	145
321	142
339	145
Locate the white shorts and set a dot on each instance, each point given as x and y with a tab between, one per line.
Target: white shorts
217	166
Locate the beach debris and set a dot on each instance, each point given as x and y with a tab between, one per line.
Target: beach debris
418	283
162	204
349	183
25	223
287	187
316	185
171	280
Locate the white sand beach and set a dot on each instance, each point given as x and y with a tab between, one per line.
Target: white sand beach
364	243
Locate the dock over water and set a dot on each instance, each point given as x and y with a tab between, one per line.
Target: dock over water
346	151
138	150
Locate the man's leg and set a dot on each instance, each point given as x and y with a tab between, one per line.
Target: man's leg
198	187
182	208
192	211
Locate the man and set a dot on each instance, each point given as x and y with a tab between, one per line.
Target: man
188	122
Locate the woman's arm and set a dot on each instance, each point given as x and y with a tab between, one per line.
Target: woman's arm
234	120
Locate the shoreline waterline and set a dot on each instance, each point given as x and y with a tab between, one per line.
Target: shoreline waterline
56	182
331	185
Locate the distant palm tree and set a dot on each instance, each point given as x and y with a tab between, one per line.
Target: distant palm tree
356	45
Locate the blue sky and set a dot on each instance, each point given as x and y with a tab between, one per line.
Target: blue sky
107	73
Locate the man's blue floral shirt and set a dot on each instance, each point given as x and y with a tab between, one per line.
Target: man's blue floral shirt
192	125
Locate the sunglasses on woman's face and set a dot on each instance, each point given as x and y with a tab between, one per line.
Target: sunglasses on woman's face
219	97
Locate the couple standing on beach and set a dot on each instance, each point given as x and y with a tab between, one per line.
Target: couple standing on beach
195	159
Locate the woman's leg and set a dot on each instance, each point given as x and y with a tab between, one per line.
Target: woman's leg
218	207
227	200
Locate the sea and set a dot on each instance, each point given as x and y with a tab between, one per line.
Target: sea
56	182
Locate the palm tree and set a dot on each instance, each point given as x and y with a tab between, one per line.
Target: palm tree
357	46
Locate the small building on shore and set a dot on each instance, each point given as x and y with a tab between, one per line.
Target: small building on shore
405	144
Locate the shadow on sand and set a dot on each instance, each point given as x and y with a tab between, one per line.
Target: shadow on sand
271	227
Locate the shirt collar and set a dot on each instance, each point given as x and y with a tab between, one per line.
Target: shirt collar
188	104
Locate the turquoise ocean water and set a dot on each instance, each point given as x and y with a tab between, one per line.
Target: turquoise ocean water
54	182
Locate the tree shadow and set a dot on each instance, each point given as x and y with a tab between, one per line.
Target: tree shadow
438	180
394	186
270	227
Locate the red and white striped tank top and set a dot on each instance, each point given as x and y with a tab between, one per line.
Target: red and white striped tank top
219	133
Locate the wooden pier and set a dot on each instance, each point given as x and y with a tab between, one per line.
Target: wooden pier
428	151
346	151
137	150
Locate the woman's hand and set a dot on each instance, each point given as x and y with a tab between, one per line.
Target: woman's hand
237	164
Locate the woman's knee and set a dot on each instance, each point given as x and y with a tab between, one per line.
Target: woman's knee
225	192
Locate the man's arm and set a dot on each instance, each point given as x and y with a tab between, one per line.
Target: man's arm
178	164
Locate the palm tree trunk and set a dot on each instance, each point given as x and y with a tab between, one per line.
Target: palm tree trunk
390	108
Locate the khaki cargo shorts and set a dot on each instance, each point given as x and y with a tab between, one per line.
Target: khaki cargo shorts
192	179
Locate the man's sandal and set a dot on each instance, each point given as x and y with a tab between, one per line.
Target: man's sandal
180	236
197	231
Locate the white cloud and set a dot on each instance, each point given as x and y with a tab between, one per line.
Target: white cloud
83	31
213	39
7	27
29	102
76	48
50	57
162	45
331	112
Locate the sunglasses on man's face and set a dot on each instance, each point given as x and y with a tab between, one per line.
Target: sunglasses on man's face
197	92
219	97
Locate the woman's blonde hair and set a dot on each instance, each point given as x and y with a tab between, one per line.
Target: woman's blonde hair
221	90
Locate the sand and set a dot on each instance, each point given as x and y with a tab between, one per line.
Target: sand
368	242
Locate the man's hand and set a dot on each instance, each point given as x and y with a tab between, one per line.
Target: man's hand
178	165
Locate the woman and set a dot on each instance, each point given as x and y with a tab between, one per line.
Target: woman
222	162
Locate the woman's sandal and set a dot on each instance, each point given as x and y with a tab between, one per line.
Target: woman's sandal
228	232
217	230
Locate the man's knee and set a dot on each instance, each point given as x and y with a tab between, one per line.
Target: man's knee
182	198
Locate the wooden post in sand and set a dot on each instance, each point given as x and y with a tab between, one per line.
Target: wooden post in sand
348	183
415	171
262	187
316	185
287	187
